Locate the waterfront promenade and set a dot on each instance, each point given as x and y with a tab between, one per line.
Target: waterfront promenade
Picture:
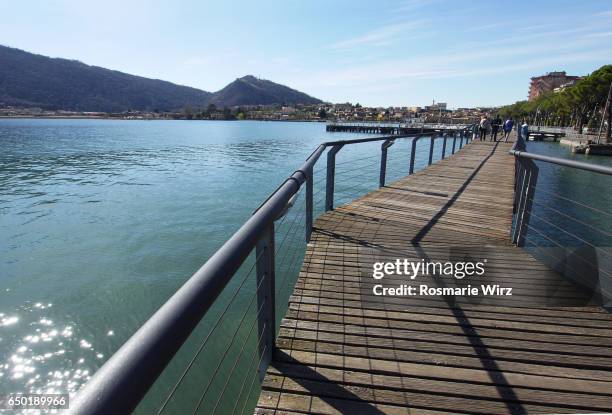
340	349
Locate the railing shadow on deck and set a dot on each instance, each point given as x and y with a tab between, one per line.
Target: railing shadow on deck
496	375
333	394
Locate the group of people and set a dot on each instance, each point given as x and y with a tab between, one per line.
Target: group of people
487	126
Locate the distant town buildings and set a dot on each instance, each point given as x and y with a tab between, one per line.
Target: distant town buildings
343	112
436	106
552	81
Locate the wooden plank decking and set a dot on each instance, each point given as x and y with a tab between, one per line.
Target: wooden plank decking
342	350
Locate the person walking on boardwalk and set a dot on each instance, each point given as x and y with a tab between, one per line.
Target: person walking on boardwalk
495	125
508	124
524	130
485	124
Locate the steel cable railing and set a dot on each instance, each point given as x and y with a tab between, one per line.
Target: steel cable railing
208	337
239	334
544	255
582	205
229	376
253	378
590	265
233	338
287	230
591	228
570	236
574	236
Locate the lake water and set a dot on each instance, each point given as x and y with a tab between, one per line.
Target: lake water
101	221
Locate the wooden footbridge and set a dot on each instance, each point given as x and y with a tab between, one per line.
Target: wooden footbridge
341	349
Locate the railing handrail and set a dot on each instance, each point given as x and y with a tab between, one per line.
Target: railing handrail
121	383
372	139
596	168
525	181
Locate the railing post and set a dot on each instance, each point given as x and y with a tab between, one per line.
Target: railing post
266	301
383	160
518	171
520	141
413	153
518	197
527	204
454	141
443	146
460	140
331	172
432	141
309	202
526	191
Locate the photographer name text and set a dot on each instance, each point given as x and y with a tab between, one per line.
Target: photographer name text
436	269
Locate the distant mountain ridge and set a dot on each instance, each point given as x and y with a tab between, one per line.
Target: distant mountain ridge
31	80
249	89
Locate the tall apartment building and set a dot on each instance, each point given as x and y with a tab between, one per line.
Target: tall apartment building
548	82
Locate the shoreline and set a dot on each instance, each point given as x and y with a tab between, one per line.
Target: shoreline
83	117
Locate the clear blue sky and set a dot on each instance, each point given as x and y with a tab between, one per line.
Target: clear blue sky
378	53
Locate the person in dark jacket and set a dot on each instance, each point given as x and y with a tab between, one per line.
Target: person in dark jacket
495	126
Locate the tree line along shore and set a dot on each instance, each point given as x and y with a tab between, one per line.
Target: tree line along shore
586	104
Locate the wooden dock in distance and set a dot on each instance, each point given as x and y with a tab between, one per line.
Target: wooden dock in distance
537	135
340	350
374	128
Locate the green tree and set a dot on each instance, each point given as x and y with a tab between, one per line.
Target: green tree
211	109
582	104
600	83
227	114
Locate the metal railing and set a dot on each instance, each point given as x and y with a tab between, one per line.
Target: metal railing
570	231
121	383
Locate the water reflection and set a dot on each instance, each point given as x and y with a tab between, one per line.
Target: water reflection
42	355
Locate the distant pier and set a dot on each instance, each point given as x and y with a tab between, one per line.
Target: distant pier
384	128
579	143
545	136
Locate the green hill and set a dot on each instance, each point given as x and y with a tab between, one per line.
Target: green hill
249	90
30	80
